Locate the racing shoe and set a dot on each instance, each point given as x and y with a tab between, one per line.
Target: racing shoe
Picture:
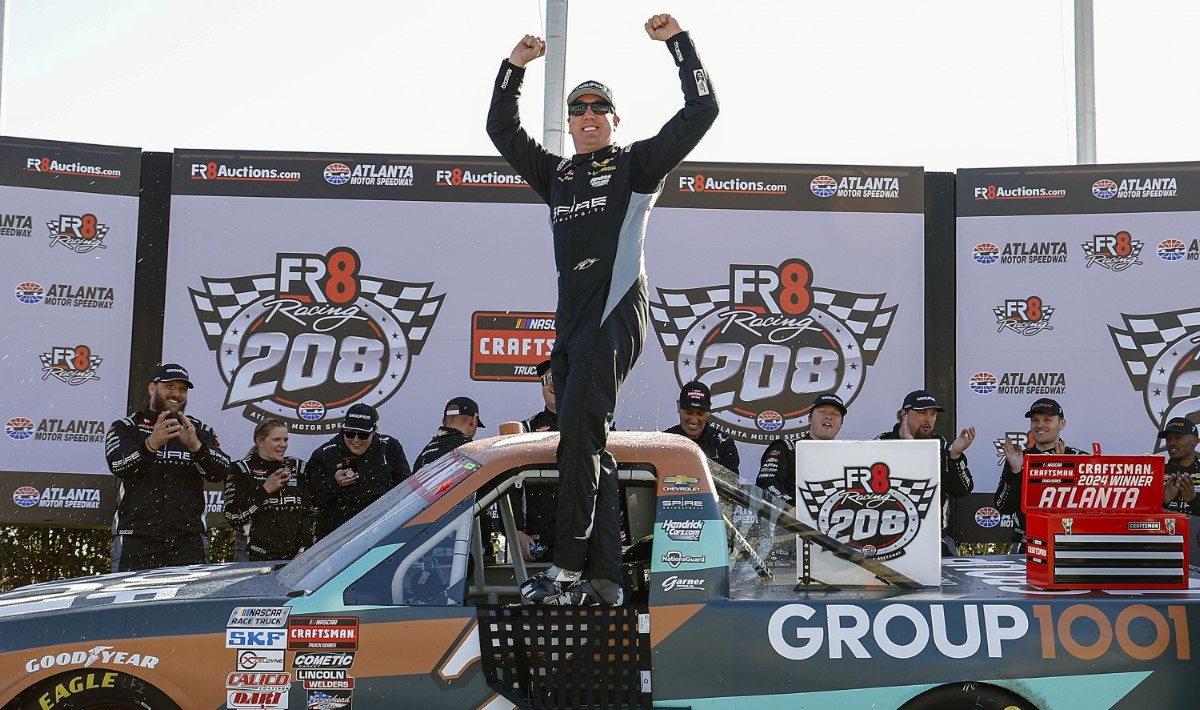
543	586
590	592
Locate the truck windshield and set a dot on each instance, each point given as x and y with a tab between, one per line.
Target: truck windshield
371	527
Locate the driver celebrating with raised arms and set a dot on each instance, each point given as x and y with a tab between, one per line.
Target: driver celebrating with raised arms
600	201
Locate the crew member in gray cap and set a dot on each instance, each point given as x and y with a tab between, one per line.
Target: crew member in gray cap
915	420
1182	470
354	468
162	458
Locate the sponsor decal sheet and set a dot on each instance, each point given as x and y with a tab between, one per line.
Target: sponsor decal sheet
68	233
1077	284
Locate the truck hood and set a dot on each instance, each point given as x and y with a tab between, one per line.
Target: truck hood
141	588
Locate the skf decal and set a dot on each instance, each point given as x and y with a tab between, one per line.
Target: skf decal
1115	252
869	508
315	337
1160	351
767	342
74	366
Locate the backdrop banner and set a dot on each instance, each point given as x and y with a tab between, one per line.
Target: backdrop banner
300	284
68	231
1077	283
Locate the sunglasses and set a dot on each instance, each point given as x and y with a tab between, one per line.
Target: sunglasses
349	434
548	378
599	108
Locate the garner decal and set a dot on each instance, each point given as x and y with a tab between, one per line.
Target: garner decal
312	339
767	342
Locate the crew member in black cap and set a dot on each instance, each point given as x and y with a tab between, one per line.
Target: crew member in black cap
547	419
695	402
460	419
916	420
354	468
1182	469
1046	423
162	458
600	201
777	469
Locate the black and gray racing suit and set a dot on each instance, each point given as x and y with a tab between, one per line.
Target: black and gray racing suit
160	498
1009	490
599	204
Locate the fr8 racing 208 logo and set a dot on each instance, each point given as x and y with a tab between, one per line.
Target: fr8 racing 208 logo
767	342
869	508
308	341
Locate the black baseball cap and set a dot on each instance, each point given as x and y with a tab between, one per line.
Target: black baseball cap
172	373
591	87
543	367
464	406
1045	405
1179	425
360	417
695	395
921	399
830	399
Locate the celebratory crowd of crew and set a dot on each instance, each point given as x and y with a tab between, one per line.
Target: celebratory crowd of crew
282	504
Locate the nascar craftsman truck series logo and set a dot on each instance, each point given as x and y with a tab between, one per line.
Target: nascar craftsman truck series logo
767	342
313	338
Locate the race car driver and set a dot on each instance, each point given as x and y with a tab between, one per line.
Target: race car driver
600	200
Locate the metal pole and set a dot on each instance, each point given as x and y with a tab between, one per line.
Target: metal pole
556	75
3	52
1085	84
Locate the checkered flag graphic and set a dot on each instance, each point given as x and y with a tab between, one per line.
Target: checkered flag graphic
222	299
1146	336
918	491
814	494
679	309
864	313
411	304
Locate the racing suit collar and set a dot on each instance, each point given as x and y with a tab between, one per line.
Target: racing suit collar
606	152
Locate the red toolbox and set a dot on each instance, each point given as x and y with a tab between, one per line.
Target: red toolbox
1096	522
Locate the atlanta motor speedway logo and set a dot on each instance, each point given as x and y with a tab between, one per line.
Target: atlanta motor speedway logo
869	508
1159	351
313	338
768	342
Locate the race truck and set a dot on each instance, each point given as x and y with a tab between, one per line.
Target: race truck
408	605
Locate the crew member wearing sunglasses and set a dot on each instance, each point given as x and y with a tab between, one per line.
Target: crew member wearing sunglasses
600	201
354	468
